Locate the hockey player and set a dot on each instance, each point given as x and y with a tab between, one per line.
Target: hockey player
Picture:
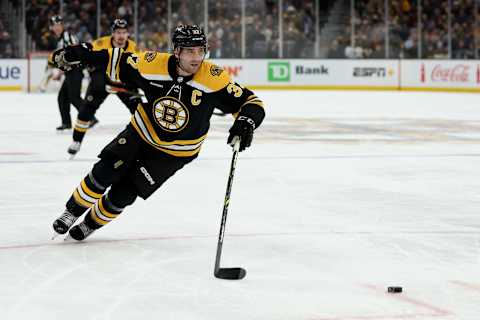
103	82
70	91
165	133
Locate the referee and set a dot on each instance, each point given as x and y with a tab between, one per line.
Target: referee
70	91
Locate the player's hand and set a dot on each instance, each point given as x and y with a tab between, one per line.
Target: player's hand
67	58
59	60
243	128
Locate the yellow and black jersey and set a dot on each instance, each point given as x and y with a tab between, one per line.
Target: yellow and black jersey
107	43
175	115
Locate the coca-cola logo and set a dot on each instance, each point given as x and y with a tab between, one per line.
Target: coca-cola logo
457	73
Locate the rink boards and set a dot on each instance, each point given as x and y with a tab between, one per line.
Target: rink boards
316	74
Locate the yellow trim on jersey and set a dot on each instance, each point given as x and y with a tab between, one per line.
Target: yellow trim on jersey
148	124
106	43
89	191
153	63
145	119
208	76
178	148
113	67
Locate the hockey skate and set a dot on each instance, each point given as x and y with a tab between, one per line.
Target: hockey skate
63	223
64	126
74	148
79	232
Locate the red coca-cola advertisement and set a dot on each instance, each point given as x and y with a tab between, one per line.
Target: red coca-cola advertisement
451	73
478	73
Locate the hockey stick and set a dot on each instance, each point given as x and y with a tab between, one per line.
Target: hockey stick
115	90
228	273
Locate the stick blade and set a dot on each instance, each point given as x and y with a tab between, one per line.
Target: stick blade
230	273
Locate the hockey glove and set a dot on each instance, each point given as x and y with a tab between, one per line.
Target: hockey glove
243	128
66	59
60	62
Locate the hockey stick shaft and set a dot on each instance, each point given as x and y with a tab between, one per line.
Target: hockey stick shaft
236	147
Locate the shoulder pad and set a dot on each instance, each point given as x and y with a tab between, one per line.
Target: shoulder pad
210	78
132	46
153	63
101	43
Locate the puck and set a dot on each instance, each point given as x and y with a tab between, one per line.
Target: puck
394	289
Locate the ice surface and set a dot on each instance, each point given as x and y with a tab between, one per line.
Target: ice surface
341	195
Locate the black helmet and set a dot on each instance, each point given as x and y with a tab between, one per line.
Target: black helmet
56	19
189	36
119	24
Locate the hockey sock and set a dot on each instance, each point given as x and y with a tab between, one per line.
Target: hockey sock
102	213
85	195
80	129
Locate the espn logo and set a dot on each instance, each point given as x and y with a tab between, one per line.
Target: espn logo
371	72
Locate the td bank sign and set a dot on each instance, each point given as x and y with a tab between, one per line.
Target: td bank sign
279	71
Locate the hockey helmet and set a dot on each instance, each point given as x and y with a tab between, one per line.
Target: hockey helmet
56	19
119	24
189	36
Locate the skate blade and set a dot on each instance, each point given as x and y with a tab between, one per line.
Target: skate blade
55	235
68	238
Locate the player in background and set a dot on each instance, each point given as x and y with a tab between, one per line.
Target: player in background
165	133
104	80
70	91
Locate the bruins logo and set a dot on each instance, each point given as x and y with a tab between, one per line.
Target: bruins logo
150	56
216	71
170	114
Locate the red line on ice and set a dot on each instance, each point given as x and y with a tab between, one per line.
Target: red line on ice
466	285
438	311
383	317
13	153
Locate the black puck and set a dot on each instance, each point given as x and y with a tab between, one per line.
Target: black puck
394	289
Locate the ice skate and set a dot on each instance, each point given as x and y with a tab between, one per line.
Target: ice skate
64	126
63	223
79	232
74	148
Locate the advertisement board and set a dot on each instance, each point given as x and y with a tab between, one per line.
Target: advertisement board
445	75
433	75
314	74
13	74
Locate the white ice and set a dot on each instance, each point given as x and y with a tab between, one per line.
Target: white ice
341	195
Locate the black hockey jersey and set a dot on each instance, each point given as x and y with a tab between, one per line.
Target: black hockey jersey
175	115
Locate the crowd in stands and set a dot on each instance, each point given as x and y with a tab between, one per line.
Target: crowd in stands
6	44
403	35
262	27
224	24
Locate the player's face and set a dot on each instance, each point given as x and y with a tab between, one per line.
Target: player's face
190	58
57	28
120	37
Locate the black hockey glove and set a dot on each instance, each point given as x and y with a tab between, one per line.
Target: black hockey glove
67	59
243	128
